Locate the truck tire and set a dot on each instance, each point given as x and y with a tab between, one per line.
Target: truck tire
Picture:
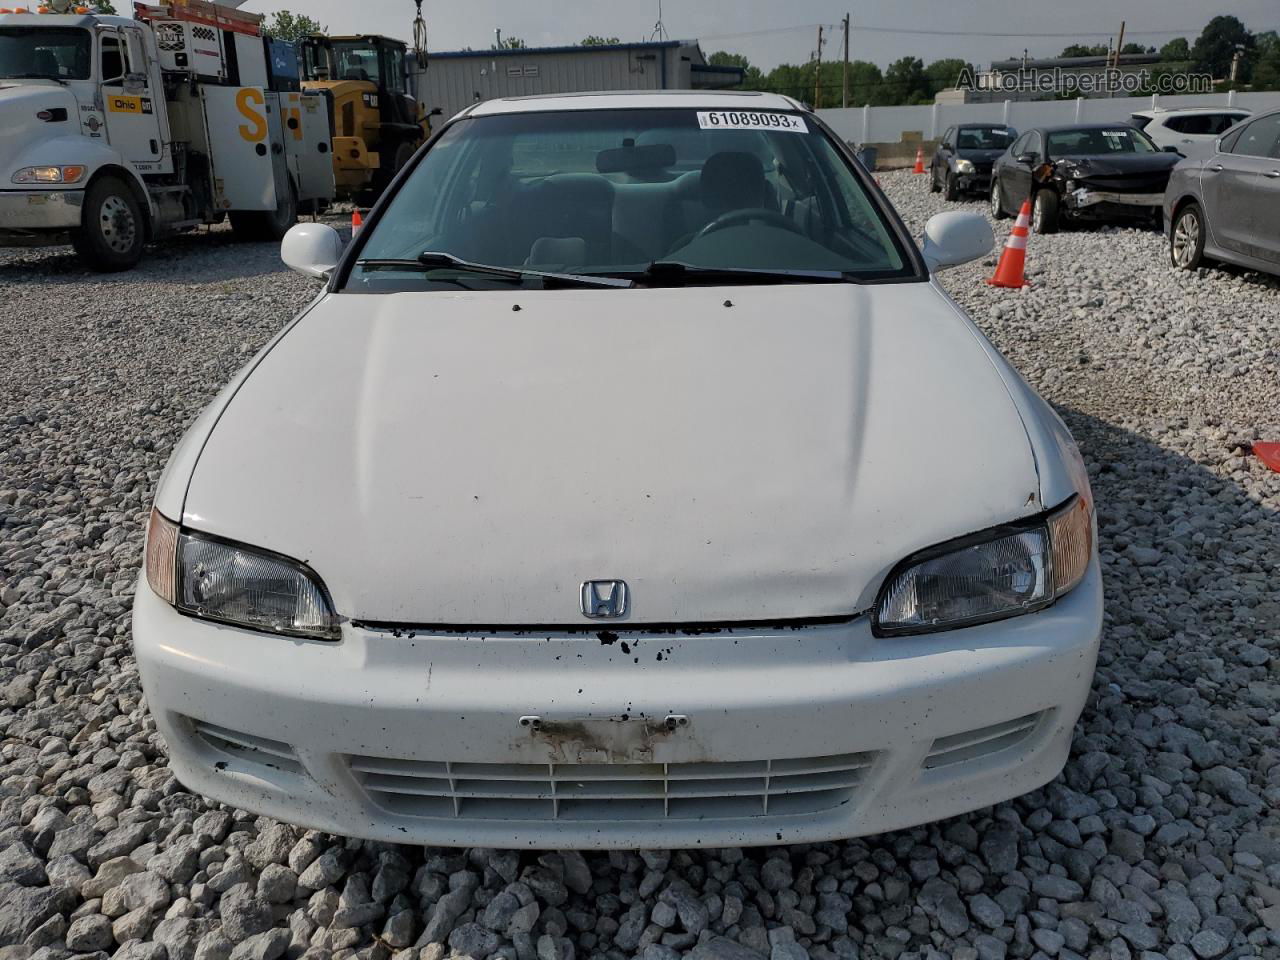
1044	211
112	230
267	225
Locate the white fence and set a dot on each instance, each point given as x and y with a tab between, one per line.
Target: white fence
888	124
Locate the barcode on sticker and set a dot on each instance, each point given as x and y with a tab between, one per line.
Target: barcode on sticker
750	120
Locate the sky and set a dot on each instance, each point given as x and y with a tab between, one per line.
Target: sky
770	32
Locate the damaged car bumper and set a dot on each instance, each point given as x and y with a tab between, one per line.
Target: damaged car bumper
1082	198
634	739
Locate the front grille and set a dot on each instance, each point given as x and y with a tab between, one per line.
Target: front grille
246	747
975	744
624	791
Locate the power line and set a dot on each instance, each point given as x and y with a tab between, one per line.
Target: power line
986	33
806	27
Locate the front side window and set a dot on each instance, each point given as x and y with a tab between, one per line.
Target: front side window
1259	139
609	192
115	58
51	53
1097	141
395	79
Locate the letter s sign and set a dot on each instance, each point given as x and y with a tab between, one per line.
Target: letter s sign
255	131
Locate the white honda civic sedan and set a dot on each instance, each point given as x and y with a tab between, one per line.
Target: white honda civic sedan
631	483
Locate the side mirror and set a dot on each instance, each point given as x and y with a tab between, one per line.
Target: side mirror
311	249
1026	158
135	83
953	238
1170	148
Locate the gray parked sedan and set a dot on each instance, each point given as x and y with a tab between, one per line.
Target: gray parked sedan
1227	206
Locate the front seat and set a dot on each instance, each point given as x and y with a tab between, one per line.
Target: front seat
734	181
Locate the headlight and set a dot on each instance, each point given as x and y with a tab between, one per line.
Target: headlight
232	583
964	166
988	576
52	174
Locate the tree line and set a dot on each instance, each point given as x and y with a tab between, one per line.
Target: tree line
909	80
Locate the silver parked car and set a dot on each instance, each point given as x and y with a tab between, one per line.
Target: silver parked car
1224	207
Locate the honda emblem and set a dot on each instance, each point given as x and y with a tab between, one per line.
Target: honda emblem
604	599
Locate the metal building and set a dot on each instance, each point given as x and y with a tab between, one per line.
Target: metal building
458	79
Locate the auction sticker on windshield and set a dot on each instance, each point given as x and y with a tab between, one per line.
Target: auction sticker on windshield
750	120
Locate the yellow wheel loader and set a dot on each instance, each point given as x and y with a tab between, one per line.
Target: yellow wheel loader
377	124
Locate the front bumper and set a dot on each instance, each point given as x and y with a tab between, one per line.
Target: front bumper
977	182
1082	198
635	740
39	211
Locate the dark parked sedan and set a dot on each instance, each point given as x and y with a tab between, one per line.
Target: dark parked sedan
962	162
1227	206
1082	172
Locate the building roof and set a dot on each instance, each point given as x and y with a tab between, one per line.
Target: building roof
636	99
1073	63
575	48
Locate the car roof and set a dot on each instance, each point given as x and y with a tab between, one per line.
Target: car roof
1069	127
636	100
993	125
1175	111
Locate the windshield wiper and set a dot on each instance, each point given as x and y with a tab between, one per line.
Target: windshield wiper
673	273
434	260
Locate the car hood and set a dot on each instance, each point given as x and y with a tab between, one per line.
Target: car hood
1120	166
733	454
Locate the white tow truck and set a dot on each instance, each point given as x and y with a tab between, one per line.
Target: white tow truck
116	131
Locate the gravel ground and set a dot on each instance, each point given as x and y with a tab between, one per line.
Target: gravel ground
1161	839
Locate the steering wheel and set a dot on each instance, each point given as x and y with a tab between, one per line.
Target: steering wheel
733	218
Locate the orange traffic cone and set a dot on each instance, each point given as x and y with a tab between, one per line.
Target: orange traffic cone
919	167
357	222
1013	260
1269	454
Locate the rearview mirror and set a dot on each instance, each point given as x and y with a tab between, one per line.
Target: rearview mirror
951	239
311	249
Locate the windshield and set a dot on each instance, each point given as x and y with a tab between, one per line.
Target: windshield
1099	140
355	61
608	192
55	53
984	138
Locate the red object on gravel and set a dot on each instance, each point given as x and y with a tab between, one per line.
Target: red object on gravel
1268	453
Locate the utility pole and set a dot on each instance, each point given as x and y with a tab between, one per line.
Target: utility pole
844	101
1119	45
817	75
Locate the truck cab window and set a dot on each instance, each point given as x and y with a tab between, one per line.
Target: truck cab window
115	58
